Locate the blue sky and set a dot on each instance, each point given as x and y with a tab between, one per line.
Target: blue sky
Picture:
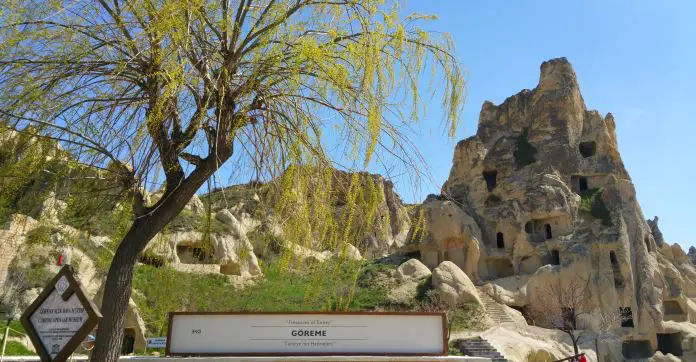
635	59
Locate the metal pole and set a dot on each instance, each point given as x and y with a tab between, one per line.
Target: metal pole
4	340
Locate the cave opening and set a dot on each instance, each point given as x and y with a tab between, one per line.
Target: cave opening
626	316
612	257
635	349
193	255
547	230
529	227
151	260
491	178
588	149
555	257
128	345
670	343
647	243
500	240
582	183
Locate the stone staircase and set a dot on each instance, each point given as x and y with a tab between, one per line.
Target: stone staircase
479	347
494	309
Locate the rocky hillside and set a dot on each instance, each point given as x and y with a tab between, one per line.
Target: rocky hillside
540	196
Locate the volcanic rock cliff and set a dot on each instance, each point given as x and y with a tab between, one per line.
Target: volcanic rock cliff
539	196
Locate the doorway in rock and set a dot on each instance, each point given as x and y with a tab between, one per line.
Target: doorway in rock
547	231
491	178
670	343
582	183
500	240
555	257
128	345
612	258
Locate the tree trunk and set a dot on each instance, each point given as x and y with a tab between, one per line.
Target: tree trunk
117	293
119	281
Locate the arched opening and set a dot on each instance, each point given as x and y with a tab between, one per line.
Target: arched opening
588	149
626	316
647	243
500	240
128	345
529	227
547	231
555	257
491	178
670	343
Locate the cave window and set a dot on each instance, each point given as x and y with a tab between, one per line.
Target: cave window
491	178
582	183
500	239
547	229
529	227
555	257
670	343
647	243
612	257
626	317
588	149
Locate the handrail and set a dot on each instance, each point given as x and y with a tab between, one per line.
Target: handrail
571	358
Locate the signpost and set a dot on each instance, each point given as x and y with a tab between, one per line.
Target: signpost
60	318
306	334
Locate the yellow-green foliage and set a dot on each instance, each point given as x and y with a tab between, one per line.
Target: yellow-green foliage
143	85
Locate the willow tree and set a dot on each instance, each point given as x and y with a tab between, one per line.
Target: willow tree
173	89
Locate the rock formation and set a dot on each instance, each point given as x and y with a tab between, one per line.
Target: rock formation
540	196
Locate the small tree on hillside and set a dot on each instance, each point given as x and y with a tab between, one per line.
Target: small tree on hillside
173	89
558	306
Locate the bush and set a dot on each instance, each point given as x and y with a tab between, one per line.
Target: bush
324	287
40	235
591	202
524	151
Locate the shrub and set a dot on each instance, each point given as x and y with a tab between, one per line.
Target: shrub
591	202
524	151
40	235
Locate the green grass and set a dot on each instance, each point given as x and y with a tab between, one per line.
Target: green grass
524	151
325	287
591	202
14	348
467	316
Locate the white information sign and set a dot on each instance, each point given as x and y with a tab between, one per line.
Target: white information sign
60	317
56	321
307	334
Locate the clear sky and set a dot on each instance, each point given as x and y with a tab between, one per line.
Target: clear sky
635	59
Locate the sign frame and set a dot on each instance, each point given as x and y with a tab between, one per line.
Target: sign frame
74	287
443	315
